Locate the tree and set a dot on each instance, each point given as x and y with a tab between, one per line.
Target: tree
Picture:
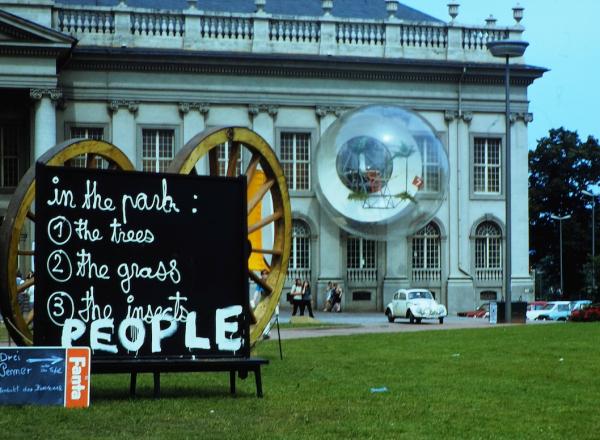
561	167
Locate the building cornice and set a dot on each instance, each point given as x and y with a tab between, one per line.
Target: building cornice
318	67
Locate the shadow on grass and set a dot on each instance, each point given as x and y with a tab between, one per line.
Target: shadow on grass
116	388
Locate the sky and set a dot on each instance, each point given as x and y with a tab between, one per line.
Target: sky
563	36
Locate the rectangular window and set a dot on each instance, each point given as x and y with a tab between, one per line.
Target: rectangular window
431	165
84	132
87	132
10	139
158	149
487	170
224	152
295	159
361	253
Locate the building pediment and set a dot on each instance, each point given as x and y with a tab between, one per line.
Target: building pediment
19	36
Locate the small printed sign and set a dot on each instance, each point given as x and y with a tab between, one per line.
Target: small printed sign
45	376
493	312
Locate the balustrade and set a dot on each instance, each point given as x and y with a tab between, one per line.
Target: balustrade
155	24
488	274
419	275
361	276
360	33
231	28
423	36
78	21
263	33
298	31
293	274
477	38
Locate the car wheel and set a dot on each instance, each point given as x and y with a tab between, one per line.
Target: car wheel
418	320
389	315
441	320
411	317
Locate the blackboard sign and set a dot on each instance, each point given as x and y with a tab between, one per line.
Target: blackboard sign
45	376
139	265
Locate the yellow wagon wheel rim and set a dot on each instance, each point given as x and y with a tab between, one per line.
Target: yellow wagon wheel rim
20	214
263	158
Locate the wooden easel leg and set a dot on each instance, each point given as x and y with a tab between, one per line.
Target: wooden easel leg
232	381
132	384
259	391
156	384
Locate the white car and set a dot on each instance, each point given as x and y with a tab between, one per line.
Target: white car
553	311
415	304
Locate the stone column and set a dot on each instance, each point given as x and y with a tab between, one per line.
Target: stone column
263	121
327	116
330	250
123	127
522	284
44	134
194	116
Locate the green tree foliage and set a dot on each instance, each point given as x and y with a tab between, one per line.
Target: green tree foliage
561	167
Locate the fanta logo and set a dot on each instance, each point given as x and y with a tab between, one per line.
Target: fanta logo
77	387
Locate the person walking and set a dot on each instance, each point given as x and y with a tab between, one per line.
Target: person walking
306	299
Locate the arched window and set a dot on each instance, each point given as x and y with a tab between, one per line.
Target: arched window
299	265
488	251
361	259
426	254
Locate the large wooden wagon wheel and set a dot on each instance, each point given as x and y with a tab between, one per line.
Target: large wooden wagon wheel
20	217
225	148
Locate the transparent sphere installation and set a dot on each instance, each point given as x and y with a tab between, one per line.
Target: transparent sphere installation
381	172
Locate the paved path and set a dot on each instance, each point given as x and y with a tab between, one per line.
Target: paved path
359	323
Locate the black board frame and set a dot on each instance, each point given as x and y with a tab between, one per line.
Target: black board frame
41	254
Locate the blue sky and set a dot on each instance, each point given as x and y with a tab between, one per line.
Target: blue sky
563	36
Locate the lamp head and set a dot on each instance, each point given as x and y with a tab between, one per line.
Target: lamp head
507	48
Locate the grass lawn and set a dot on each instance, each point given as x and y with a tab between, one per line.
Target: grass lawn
535	381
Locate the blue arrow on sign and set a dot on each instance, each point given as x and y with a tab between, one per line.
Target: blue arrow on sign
53	360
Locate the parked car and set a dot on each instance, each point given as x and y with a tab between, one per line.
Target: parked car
553	311
580	303
482	311
536	305
415	304
588	312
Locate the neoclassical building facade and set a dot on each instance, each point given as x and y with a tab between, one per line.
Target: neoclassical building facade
149	79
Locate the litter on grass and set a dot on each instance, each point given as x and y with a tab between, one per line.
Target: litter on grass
379	390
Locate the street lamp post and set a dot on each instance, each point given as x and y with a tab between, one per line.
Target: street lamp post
560	220
507	49
593	196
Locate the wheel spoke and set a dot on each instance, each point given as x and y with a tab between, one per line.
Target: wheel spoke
26	252
25	284
90	161
213	162
252	167
31	215
262	283
268	251
29	318
234	155
260	193
265	221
